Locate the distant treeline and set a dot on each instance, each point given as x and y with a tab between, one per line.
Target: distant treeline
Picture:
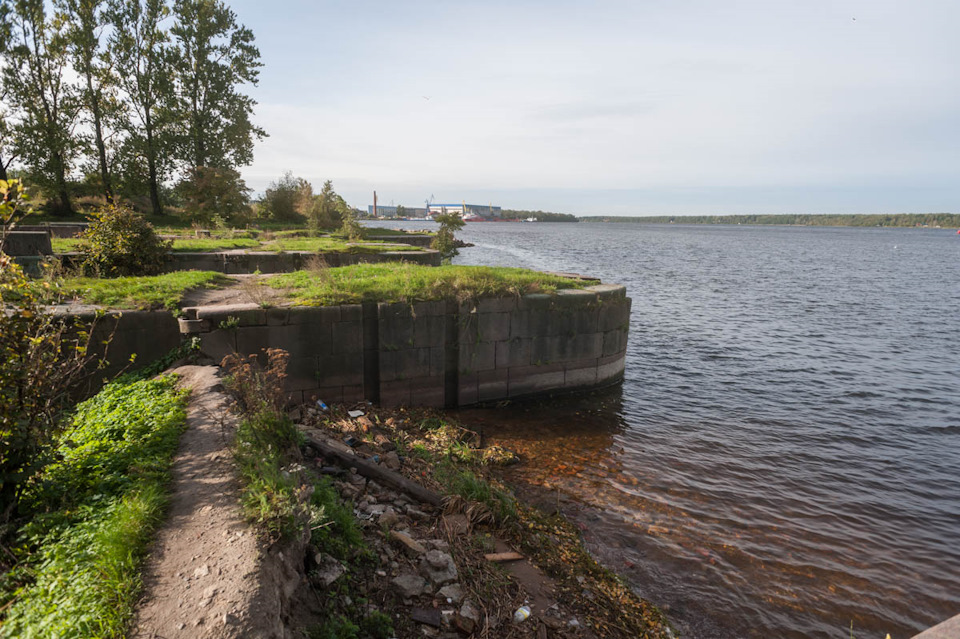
539	216
949	220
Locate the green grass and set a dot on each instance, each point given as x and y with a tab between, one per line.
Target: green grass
213	244
157	291
93	513
400	282
64	244
262	449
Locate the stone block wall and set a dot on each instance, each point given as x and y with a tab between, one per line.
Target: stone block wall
432	353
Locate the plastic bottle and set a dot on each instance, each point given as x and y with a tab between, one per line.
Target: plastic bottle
522	613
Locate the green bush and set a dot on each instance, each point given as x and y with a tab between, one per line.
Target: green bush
445	242
120	242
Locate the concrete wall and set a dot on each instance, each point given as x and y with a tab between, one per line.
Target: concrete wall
242	262
423	241
432	353
27	243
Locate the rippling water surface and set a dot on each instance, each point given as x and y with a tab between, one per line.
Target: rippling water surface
783	457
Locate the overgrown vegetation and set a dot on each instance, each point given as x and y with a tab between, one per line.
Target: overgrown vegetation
153	292
90	513
400	282
41	359
444	241
120	242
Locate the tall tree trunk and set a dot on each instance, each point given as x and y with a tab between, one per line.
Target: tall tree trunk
3	170
152	167
98	138
63	194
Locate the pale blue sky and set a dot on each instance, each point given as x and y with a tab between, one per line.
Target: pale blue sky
631	108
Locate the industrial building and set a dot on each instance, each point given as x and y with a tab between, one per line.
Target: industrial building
391	211
466	211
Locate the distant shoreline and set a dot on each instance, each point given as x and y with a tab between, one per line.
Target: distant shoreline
901	220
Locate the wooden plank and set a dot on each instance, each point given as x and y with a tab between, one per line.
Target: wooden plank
503	556
373	471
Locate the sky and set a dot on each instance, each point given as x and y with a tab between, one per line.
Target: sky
646	107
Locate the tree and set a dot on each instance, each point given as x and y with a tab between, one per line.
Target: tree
35	82
87	18
401	210
209	193
14	206
138	47
288	199
215	56
7	154
445	242
327	209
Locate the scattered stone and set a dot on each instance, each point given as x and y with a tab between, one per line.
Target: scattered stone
409	584
438	567
452	593
202	571
389	518
228	619
456	525
418	514
391	460
388	446
328	570
438	544
412	546
429	616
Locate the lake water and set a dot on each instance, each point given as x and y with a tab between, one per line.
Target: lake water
783	457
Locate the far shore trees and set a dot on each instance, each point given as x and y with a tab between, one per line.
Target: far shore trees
124	98
35	81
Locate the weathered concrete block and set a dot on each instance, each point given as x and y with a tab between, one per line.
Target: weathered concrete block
514	352
408	363
219	343
193	326
497	305
614	315
475	356
313	314
28	243
351	312
427	391
234	314
395	393
352	393
429	330
493	327
614	342
438	360
347	337
301	373
560	348
468	390
527	380
608	292
340	369
535	301
574	297
300	340
329	394
426	309
533	323
253	339
580	375
278	315
610	369
492	384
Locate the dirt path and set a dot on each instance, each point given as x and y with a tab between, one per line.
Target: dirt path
201	578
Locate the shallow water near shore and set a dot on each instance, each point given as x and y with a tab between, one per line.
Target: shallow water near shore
781	459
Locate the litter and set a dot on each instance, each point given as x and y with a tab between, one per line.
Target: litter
521	614
322	406
355	413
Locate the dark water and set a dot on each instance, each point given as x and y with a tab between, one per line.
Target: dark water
783	457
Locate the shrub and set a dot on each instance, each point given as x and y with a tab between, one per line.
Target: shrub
445	242
40	360
120	242
288	199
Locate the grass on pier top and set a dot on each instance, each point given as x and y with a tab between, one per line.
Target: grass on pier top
401	282
148	292
311	244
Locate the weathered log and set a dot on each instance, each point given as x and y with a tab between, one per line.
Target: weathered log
503	556
373	471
